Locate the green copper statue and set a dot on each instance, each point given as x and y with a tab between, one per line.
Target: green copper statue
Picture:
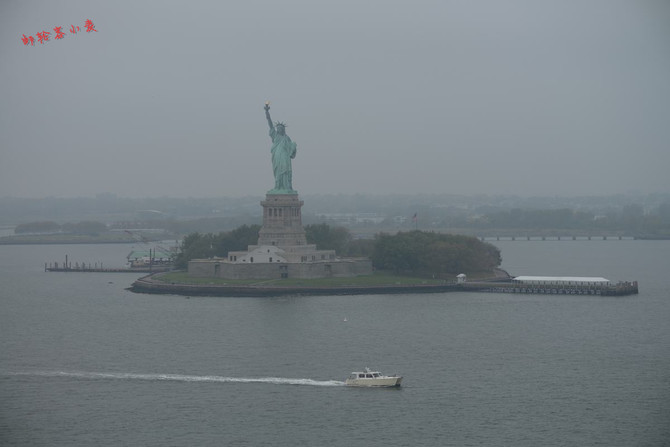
283	150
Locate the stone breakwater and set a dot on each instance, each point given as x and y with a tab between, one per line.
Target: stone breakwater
147	284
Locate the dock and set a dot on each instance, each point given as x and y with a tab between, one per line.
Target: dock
68	267
106	270
619	289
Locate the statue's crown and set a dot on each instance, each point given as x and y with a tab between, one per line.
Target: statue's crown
279	123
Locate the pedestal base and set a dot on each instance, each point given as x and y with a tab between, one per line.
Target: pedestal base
282	221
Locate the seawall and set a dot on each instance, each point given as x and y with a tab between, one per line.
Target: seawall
147	284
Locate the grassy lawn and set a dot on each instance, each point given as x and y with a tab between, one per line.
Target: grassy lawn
376	279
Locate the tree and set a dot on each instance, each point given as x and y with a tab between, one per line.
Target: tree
194	246
198	246
37	227
236	240
431	254
360	247
328	238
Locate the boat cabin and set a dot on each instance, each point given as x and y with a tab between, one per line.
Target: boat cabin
365	375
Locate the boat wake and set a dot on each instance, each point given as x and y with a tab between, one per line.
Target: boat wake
179	378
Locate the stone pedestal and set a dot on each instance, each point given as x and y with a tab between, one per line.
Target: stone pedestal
282	221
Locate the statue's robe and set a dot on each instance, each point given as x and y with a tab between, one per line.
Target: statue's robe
283	150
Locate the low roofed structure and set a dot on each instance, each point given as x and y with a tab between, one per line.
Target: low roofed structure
562	280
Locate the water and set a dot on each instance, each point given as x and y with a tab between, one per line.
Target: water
85	362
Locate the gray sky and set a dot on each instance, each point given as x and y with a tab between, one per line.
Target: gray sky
466	97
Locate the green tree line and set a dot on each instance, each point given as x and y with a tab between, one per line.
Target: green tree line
421	253
631	218
416	253
198	246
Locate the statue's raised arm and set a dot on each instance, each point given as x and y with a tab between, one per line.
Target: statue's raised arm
267	115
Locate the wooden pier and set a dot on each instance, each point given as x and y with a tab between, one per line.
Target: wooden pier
619	289
68	267
107	270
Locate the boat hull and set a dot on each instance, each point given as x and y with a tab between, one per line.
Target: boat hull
375	382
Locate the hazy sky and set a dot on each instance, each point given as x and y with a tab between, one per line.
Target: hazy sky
531	97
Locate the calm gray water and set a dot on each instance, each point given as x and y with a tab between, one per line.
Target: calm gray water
83	362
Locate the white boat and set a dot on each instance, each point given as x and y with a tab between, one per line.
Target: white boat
372	378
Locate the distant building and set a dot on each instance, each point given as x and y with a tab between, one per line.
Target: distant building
156	256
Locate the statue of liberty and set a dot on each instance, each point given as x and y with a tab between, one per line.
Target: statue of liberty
283	150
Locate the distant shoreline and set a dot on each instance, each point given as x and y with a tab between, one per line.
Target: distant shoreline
487	237
68	239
